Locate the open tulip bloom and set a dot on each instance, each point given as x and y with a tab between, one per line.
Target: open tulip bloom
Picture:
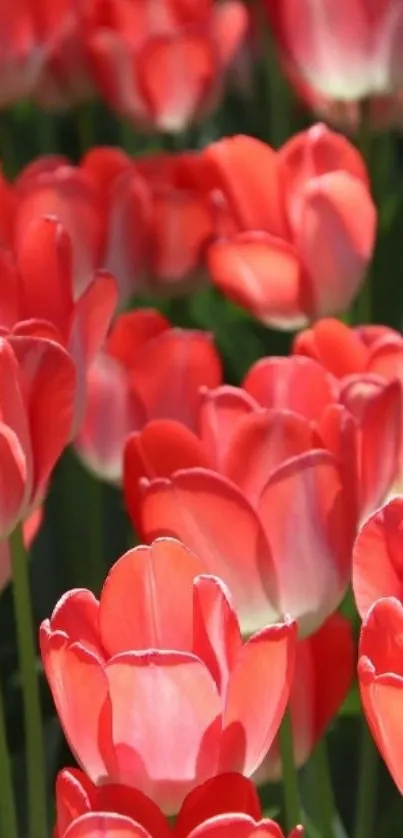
172	695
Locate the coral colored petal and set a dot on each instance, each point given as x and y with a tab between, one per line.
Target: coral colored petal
337	347
263	275
146	601
336	239
166	753
261	678
175	75
313	571
111	414
134	804
67	669
45	263
296	383
108	825
213	519
226	793
219	413
238	826
132	331
262	442
77	615
378	557
92	317
49	381
191	355
380	676
378	407
243	166
216	635
74	796
164	446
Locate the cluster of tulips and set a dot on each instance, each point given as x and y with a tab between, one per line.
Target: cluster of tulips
268	579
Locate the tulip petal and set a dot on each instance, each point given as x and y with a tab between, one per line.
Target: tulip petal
49	379
146	601
213	519
262	442
242	167
238	826
163	447
85	721
105	825
336	239
77	616
45	264
262	274
216	636
131	332
296	383
313	571
219	413
261	678
192	356
111	414
380	675
166	723
378	557
226	793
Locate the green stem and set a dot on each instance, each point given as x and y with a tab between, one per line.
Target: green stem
367	785
8	814
324	791
34	744
290	777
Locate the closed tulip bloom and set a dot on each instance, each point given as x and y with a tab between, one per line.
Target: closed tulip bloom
37	390
380	674
227	805
172	696
162	65
146	370
345	52
300	225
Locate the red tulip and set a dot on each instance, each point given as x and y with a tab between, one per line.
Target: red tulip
380	673
157	225
299	249
165	70
227	805
283	443
147	370
340	55
378	557
324	669
172	696
37	386
36	297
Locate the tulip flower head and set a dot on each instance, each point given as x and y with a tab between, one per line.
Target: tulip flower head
172	695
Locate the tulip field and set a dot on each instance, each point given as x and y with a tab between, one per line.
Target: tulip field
201	418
